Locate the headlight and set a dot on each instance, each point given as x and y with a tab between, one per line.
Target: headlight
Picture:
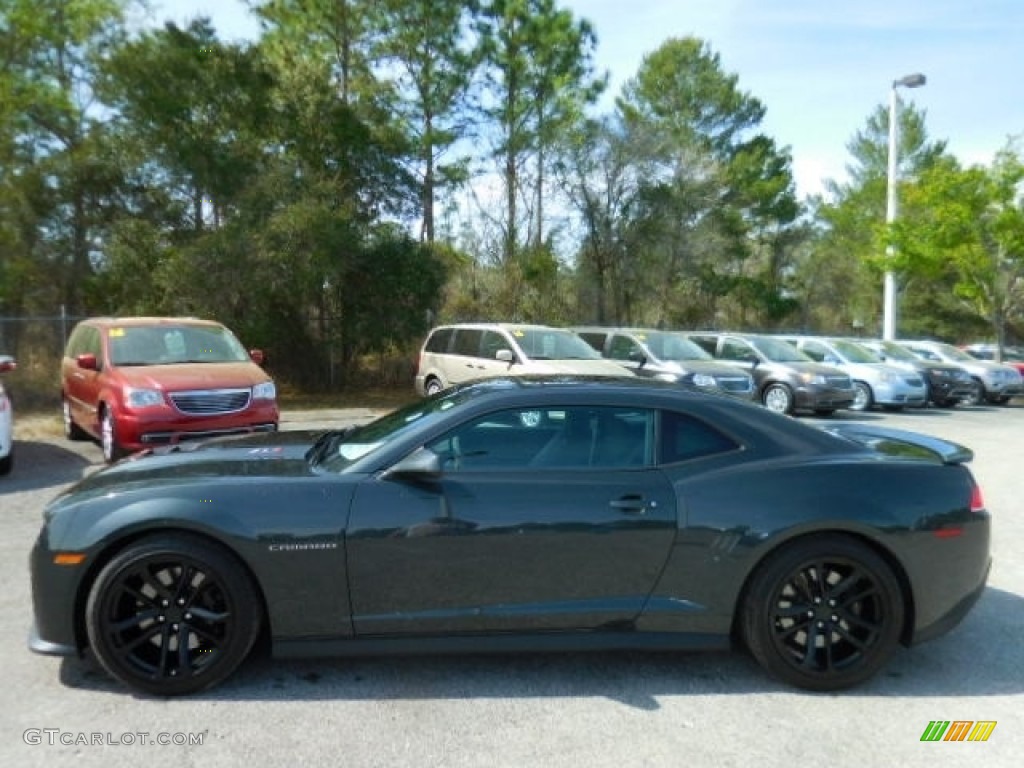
703	380
264	391
813	378
143	398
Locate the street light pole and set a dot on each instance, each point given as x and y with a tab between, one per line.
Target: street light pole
889	288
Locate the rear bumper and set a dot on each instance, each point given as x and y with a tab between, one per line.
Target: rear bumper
954	615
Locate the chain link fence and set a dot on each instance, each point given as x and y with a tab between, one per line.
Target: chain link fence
37	343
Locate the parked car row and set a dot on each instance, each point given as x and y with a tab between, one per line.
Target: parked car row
786	373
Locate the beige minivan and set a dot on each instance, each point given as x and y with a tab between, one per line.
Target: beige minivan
453	354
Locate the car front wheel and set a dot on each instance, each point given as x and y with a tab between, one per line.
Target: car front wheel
824	613
862	397
172	615
112	449
977	395
432	387
778	398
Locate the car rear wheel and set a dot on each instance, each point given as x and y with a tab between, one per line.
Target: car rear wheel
71	430
112	449
778	398
7	463
824	613
862	397
172	615
432	387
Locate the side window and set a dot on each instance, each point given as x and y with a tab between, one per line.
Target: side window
734	349
93	344
684	437
574	437
621	348
491	343
594	339
467	342
76	344
707	343
815	350
439	340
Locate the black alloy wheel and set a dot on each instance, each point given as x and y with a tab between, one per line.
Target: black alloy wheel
172	615
824	613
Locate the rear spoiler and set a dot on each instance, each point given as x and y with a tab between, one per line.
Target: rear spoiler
899	442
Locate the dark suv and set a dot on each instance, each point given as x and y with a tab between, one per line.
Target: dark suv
668	356
948	384
136	382
787	380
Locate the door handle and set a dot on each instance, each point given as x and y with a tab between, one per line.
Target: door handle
630	504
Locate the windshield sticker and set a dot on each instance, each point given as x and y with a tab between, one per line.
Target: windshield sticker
116	333
518	334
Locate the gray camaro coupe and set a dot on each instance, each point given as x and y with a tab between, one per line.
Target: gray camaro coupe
518	515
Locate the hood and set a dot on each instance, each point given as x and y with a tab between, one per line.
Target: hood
583	367
273	454
183	376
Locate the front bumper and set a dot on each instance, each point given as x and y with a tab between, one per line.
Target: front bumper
823	398
147	427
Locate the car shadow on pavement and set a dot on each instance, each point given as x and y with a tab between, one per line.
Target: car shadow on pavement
979	658
39	465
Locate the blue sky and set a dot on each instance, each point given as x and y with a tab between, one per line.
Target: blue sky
819	66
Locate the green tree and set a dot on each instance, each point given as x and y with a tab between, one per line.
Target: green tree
970	221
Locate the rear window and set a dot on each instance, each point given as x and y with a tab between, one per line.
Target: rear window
439	340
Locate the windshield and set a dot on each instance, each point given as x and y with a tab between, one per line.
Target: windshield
363	441
174	344
553	344
779	351
897	352
672	346
854	352
953	353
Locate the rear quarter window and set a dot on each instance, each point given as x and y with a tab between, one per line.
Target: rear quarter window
439	340
685	437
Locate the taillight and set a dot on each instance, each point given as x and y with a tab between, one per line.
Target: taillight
977	500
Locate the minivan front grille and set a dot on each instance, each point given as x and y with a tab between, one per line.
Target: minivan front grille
211	402
839	382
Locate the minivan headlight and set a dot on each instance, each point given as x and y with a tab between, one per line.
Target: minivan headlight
143	398
813	378
264	391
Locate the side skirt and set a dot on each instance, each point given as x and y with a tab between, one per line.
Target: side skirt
502	643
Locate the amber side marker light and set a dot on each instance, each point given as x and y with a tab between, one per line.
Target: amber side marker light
68	558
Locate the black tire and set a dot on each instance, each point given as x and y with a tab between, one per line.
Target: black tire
949	402
999	399
778	398
112	449
7	463
71	430
863	398
830	590
432	387
164	594
824	412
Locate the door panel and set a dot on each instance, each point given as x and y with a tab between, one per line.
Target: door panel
517	534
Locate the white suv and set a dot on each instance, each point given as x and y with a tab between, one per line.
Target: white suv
6	420
453	354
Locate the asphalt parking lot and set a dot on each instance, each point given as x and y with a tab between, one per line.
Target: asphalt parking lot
543	710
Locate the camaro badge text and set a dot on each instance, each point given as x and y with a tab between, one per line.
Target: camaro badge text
301	547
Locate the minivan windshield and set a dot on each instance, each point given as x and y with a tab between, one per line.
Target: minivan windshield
671	346
778	351
553	344
173	344
854	352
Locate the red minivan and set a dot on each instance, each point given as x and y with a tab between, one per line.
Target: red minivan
137	382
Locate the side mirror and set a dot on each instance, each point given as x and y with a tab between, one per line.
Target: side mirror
257	356
505	356
421	464
88	362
